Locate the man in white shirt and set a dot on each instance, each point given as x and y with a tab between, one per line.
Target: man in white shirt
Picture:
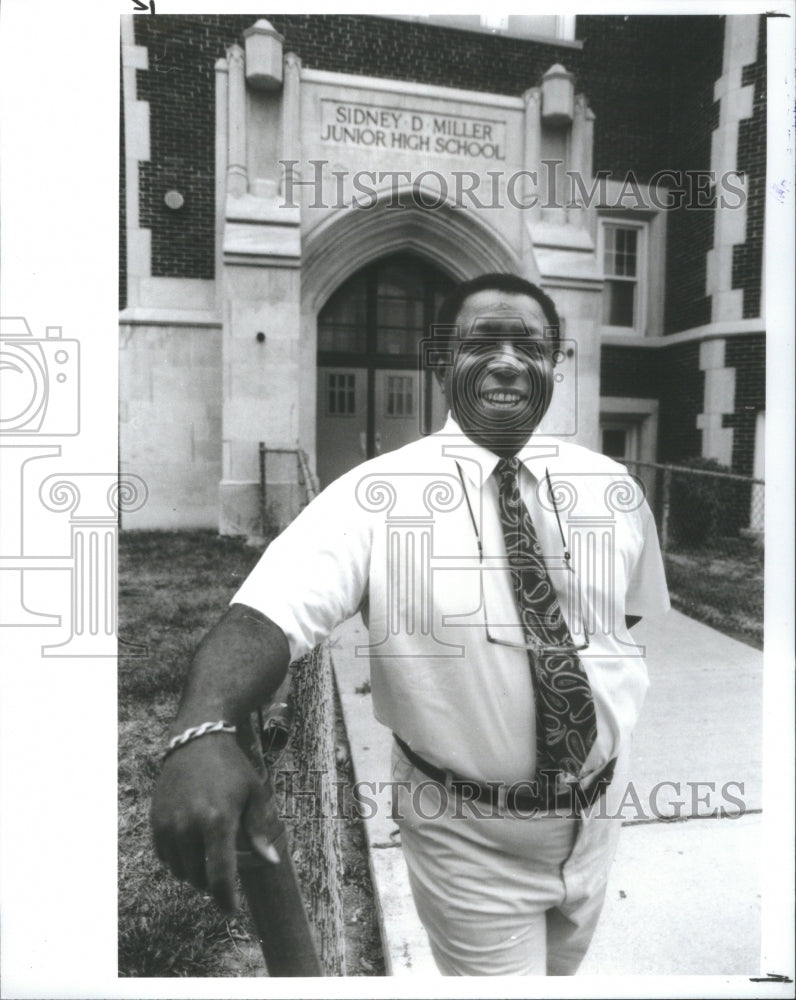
498	572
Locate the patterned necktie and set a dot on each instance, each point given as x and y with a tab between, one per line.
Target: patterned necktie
566	725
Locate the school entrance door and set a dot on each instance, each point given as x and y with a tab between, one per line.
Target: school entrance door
372	396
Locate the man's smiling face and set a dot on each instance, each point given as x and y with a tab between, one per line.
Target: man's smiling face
501	382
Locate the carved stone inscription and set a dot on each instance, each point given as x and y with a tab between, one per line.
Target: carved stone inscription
348	123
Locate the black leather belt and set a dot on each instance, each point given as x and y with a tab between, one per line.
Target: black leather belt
522	796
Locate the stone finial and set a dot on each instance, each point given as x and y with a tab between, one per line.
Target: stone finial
558	96
263	56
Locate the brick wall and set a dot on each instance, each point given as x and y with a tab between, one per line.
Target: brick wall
681	400
747	262
748	356
628	371
425	53
625	76
180	88
697	56
632	103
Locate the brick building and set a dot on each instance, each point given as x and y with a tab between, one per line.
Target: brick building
298	191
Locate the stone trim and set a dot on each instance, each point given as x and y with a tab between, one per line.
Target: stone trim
221	70
142	316
719	401
458	243
727	328
643	412
735	104
581	283
628	405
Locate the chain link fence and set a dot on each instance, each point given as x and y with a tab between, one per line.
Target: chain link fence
710	525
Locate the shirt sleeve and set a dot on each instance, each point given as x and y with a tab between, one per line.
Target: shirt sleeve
647	593
313	576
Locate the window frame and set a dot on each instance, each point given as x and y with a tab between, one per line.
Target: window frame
328	390
407	382
642	277
564	32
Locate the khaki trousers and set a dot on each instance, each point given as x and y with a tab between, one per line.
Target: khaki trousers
503	894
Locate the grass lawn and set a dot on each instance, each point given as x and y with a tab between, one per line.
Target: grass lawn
722	586
172	587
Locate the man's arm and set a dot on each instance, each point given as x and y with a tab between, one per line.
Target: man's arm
208	785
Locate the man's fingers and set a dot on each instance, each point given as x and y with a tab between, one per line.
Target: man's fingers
264	847
166	849
170	857
221	864
192	854
262	825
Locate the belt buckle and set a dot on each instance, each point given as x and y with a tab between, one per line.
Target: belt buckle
565	785
565	781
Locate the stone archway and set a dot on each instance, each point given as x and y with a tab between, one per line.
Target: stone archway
452	239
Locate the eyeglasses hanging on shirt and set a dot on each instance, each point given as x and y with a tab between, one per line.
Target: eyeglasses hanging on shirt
533	646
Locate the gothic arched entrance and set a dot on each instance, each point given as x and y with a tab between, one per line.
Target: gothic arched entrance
372	396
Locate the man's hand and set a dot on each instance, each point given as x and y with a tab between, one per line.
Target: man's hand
206	790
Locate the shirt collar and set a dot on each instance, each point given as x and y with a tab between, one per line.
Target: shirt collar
536	455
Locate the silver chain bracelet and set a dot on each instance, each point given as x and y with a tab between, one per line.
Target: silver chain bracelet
196	731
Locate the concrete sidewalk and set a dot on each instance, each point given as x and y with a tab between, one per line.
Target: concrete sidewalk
693	883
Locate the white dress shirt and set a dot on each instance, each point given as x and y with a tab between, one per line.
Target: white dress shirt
398	538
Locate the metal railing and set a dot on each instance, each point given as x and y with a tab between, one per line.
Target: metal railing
307	480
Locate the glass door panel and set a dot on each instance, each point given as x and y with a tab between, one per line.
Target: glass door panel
341	439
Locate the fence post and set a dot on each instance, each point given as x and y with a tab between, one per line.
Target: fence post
667	490
300	467
262	488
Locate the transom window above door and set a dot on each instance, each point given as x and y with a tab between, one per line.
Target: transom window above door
380	315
